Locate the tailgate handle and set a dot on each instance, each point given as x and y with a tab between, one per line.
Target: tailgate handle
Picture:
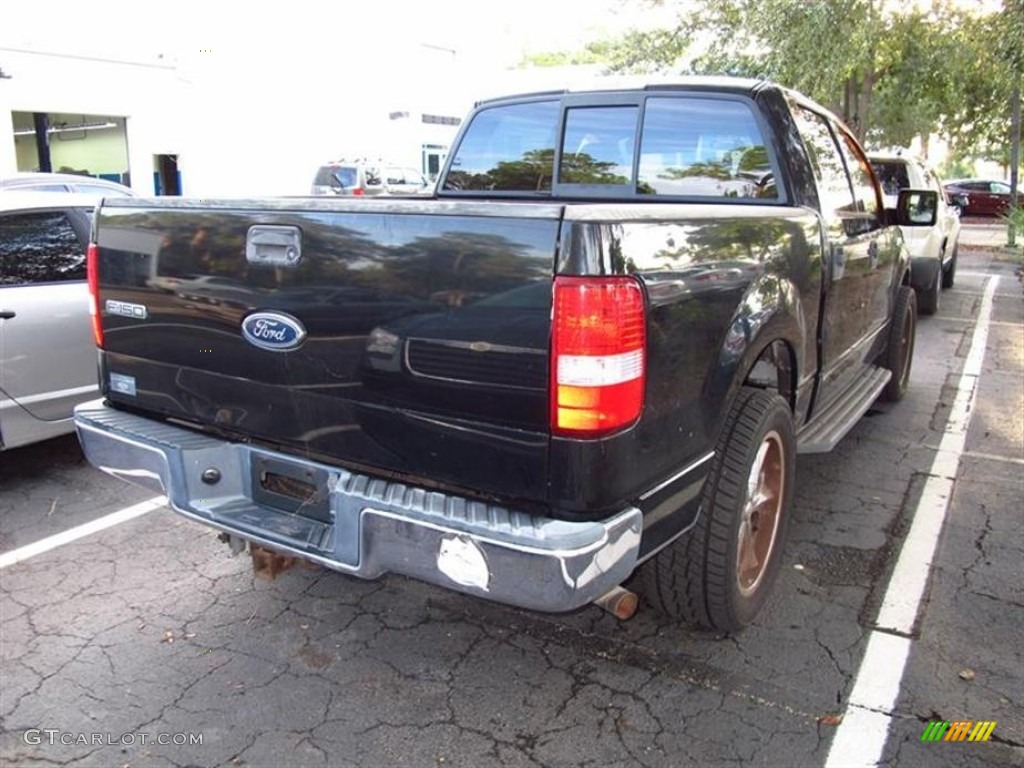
273	245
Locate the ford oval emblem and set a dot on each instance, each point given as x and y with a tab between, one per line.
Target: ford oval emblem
275	331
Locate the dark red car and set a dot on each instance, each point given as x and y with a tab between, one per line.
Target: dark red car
985	198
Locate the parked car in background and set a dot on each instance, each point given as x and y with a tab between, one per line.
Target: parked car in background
63	182
47	353
369	178
982	197
933	250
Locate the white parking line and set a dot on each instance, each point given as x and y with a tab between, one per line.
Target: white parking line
979	275
993	457
861	736
80	531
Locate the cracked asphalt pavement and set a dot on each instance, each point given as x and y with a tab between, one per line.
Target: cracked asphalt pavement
150	632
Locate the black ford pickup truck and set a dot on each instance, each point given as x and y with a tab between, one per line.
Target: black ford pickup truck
598	347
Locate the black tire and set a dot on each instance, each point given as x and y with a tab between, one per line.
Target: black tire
719	575
899	350
949	273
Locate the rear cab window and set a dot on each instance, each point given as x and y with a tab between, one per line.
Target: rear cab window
508	148
644	146
597	146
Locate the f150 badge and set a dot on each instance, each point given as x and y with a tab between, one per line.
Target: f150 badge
124	309
275	331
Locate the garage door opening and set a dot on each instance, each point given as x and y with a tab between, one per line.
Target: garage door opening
88	145
166	176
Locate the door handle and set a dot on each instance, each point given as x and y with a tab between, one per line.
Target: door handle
7	314
273	245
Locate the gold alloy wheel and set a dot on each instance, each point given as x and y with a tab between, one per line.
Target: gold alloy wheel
759	523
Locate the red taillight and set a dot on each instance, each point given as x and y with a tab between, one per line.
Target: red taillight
598	348
358	191
92	268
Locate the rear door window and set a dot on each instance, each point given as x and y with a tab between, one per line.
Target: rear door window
864	191
39	248
834	193
846	188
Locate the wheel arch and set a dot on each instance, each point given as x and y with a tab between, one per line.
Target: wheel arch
763	347
775	368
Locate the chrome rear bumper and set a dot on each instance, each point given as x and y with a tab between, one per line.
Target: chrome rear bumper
368	526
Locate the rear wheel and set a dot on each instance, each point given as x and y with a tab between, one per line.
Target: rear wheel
899	351
720	574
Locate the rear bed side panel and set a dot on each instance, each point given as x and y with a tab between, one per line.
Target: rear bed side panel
720	280
427	335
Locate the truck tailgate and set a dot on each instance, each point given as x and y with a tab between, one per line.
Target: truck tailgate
403	336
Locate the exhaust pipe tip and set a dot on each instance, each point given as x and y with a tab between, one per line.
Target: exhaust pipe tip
619	602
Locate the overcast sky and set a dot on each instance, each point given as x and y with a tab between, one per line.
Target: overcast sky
488	33
485	32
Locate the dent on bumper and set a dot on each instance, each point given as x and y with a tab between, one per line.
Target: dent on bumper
374	526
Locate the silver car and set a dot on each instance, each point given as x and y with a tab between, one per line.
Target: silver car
63	182
359	178
47	354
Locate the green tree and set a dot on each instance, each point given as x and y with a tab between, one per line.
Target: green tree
990	67
892	70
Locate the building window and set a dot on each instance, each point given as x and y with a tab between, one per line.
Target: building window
442	120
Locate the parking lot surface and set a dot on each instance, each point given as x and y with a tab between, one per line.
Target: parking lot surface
147	644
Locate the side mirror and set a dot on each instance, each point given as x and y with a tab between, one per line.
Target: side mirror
917	208
959	202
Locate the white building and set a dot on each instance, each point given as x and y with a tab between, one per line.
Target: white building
128	124
223	124
249	101
245	106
